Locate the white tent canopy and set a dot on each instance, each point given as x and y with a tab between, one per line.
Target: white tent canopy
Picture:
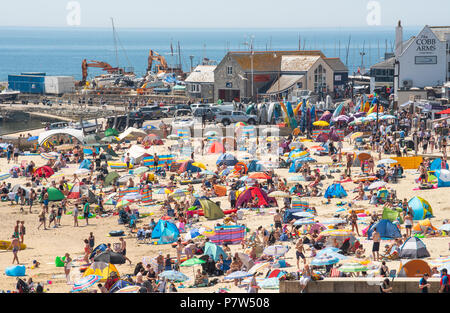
77	133
137	152
131	133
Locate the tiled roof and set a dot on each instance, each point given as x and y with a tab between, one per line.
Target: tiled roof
298	63
266	61
336	64
440	31
202	74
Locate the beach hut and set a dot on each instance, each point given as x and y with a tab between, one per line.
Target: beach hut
386	228
421	208
413	248
414	268
335	191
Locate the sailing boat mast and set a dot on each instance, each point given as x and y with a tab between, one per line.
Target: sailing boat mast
115	42
348	50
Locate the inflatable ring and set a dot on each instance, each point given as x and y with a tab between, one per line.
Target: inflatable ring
239	166
116	233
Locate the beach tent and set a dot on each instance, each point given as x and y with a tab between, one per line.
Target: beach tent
100	248
111	132
413	248
443	177
214	251
211	210
414	268
421	226
110	178
392	214
119	285
54	194
75	133
166	232
80	190
216	147
187	166
227	159
254	166
110	257
421	208
335	191
85	164
101	269
386	229
137	153
231	234
250	194
132	133
44	171
437	165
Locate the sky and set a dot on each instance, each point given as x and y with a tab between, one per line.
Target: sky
223	14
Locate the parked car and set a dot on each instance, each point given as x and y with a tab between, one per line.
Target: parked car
183	122
152	112
195	106
58	125
228	117
171	110
182	112
207	112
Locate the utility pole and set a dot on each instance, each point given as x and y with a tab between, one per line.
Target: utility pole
192	58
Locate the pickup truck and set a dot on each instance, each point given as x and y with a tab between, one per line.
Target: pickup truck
228	117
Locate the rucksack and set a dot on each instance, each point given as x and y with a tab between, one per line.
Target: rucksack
22	286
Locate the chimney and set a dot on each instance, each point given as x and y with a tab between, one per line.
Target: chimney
398	39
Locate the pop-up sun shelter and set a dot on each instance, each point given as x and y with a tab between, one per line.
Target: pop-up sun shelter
443	177
414	268
80	190
214	251
211	210
335	191
421	208
44	171
413	248
166	232
54	194
250	194
437	165
386	229
227	159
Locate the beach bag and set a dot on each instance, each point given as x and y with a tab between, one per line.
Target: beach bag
22	286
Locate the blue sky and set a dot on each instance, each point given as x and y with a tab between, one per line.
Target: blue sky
226	14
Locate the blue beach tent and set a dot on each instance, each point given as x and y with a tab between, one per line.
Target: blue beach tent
386	228
335	191
166	232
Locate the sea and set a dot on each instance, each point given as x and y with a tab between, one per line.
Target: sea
60	51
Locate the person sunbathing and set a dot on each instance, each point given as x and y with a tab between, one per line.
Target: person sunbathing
360	252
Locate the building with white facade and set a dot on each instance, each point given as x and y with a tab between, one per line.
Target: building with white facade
423	60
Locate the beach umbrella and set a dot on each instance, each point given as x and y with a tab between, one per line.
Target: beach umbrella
111	132
85	282
82	171
259	175
324	259
207	172
33	138
376	185
149	127
356	135
200	165
4	176
194	232
211	133
270	130
321	123
445	227
296	178
353	268
238	275
124	178
279	194
240	124
192	261
129	289
173	137
270	283
334	221
110	139
305	221
387	161
173	275
363	156
122	203
388	117
141	170
342	118
336	232
303	214
49	156
276	250
259	267
328	250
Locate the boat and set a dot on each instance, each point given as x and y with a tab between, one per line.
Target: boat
9	94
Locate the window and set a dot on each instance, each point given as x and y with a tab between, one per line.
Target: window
195	88
300	85
426	59
229	70
320	78
229	85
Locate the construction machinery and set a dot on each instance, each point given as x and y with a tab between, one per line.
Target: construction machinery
103	65
162	67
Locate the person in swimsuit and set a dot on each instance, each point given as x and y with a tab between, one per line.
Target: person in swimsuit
123	249
22	231
87	250
15	245
354	221
16	230
67	266
376	244
300	252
